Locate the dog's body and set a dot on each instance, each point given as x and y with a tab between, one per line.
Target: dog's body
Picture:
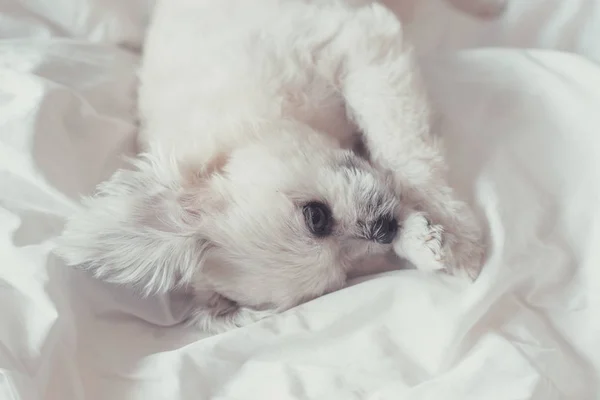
256	190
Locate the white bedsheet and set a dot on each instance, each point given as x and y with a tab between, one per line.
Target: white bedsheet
523	129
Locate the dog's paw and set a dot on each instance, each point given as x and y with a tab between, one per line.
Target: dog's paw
218	314
485	9
434	240
430	247
422	243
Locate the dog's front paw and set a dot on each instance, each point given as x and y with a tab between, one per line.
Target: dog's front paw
218	314
487	9
422	243
430	247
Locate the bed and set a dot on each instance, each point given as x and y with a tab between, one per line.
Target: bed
519	104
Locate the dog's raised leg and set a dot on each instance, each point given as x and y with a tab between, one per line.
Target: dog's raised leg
384	94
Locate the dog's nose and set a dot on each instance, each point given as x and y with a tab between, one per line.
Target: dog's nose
384	230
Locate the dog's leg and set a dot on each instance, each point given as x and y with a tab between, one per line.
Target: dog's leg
380	82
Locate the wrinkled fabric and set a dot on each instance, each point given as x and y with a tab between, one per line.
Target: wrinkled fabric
519	106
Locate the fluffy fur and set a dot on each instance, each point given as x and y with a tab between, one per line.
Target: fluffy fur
250	110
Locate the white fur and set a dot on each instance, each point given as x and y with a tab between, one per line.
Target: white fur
249	110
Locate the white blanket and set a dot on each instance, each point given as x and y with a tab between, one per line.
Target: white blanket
523	128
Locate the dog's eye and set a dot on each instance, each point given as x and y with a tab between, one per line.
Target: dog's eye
318	218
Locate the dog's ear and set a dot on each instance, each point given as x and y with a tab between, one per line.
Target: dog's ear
144	225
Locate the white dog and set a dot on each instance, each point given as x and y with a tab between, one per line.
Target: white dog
257	189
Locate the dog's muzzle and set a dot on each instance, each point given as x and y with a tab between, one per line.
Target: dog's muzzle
384	230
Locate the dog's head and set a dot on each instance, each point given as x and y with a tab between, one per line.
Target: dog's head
268	224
